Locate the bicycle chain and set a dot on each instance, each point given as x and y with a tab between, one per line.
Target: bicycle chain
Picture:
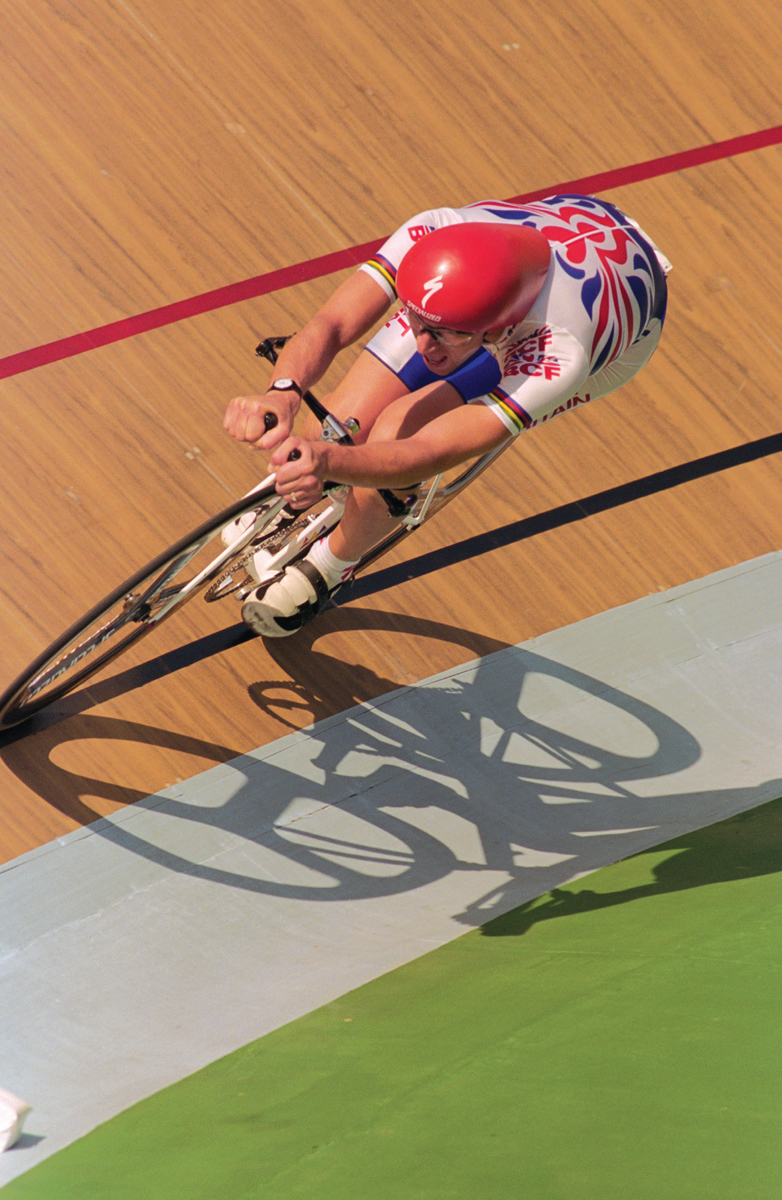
272	541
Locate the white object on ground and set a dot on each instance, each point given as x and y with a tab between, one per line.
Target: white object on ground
12	1116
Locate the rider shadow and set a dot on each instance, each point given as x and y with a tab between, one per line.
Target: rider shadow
500	781
746	845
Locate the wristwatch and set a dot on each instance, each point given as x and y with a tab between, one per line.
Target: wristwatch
285	385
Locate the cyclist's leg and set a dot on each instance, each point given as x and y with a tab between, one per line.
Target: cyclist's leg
366	519
365	392
383	392
387	391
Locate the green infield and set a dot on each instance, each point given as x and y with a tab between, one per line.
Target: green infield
618	1039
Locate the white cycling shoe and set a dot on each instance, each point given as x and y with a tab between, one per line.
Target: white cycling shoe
289	603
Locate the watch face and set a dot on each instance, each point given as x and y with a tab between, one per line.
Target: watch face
284	385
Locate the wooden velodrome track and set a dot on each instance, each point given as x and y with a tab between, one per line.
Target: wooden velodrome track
156	152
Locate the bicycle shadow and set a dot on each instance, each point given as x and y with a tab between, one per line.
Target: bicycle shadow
609	782
516	771
29	750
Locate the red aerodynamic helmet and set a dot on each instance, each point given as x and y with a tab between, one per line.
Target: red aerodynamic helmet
474	277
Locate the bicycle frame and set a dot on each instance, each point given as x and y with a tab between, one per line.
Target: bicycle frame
151	595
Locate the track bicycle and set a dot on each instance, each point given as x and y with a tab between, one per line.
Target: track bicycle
189	568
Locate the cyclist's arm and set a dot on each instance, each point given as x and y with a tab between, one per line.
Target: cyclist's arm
443	443
350	313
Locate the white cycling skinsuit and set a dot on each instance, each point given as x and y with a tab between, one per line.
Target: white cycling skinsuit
596	321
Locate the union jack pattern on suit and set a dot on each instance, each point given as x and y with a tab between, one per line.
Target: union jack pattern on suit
603	251
594	324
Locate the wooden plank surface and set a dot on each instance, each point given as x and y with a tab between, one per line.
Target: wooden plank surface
153	152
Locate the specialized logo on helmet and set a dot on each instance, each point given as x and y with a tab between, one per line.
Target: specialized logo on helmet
431	286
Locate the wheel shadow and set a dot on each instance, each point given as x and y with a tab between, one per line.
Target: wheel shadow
29	750
515	770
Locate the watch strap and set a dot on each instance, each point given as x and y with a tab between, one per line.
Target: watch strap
285	385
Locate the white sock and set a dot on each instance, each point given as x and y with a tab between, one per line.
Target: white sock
334	570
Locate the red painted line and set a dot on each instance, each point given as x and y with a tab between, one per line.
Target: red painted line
232	293
327	264
666	165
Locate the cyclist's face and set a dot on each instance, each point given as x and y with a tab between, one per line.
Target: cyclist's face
443	350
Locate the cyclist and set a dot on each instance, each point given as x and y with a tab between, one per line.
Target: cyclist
509	315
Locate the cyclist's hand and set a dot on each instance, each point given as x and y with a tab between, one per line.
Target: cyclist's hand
299	465
263	421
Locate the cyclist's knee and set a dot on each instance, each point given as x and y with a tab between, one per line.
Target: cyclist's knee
405	416
401	419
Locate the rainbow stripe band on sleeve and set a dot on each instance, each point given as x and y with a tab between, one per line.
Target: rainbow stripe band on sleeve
519	417
384	268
